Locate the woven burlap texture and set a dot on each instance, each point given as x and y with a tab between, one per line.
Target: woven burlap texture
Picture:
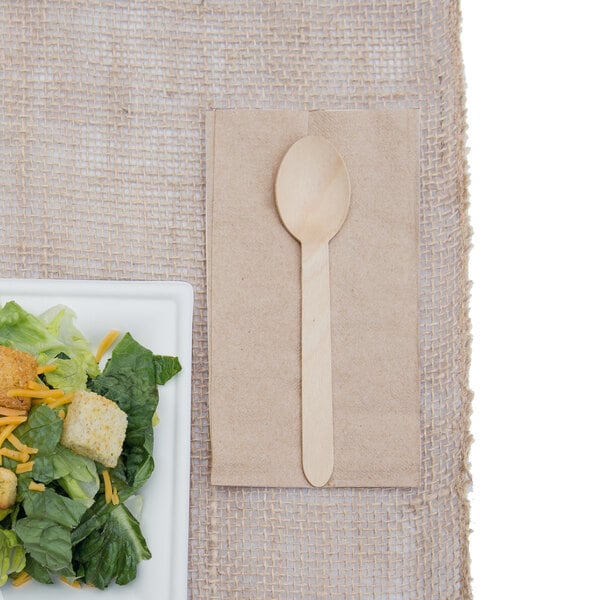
102	175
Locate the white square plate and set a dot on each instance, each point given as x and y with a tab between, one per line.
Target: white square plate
159	316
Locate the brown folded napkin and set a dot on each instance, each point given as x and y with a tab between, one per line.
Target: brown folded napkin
254	301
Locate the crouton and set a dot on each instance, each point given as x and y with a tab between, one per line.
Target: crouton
8	488
16	369
95	427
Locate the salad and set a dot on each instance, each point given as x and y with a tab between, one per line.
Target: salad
76	447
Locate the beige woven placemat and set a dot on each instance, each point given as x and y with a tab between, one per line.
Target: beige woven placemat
102	175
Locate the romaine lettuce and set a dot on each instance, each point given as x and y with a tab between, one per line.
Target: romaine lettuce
12	555
69	529
23	331
60	322
130	379
113	551
51	335
47	542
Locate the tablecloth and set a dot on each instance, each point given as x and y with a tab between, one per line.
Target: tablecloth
102	176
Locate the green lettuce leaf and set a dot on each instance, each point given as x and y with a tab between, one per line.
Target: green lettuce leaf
53	507
4	512
12	555
76	474
70	374
42	430
81	482
165	367
94	519
114	551
38	572
47	337
47	542
46	531
23	331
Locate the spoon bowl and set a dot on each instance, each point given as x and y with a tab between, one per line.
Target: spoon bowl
312	190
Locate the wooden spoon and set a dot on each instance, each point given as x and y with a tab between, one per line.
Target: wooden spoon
312	193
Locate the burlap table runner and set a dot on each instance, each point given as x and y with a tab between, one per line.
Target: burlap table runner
102	175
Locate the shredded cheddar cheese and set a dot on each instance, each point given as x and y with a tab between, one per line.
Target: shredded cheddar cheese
34	385
15	420
61	401
20	446
108	491
61	414
37	487
53	401
106	343
24	467
44	393
21	578
12	412
115	497
15	455
46	369
25	393
6	431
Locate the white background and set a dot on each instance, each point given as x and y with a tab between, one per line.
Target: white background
532	70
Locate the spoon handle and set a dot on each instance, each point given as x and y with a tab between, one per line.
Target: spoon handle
317	410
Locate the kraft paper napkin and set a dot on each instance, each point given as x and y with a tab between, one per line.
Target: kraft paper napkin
254	301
